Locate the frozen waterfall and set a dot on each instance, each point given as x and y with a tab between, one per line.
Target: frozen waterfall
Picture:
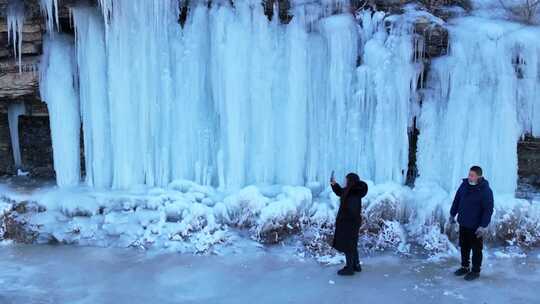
232	98
482	97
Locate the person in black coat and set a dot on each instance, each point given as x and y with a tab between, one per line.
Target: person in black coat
348	221
473	204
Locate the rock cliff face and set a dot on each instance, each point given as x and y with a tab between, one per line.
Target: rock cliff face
529	160
21	85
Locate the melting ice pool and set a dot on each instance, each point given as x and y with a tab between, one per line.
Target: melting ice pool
70	274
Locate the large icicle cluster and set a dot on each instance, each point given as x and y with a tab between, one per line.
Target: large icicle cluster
15	21
57	88
385	100
94	105
482	97
232	98
49	8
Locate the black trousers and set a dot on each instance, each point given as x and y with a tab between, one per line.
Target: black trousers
469	242
351	257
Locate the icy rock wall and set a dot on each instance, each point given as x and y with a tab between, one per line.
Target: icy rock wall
233	98
480	99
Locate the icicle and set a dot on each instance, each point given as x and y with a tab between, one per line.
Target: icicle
15	23
140	83
57	89
292	110
385	96
14	111
263	72
192	156
338	113
95	112
230	72
49	8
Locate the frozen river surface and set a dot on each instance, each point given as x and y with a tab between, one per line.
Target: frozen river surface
68	274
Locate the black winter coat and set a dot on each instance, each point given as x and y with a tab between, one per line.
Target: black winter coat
349	217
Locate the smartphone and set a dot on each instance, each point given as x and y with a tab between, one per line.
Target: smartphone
332	176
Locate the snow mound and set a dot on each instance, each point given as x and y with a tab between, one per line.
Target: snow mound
188	217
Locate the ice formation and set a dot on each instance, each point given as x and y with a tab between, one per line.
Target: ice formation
386	96
15	22
49	8
235	120
94	103
232	98
188	217
14	111
482	97
58	89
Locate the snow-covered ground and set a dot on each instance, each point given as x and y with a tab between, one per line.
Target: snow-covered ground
186	217
68	274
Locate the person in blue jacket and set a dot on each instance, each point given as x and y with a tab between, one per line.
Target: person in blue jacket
473	204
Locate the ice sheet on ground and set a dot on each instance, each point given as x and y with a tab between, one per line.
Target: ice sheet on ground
76	275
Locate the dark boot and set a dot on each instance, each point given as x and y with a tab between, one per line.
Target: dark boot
357	268
349	268
462	271
346	271
471	276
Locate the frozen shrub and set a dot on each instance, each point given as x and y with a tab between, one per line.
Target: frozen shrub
385	201
392	236
436	4
526	11
431	240
281	217
193	218
245	206
517	225
318	240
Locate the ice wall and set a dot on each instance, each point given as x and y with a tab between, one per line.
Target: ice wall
94	102
385	101
232	98
15	22
481	98
58	90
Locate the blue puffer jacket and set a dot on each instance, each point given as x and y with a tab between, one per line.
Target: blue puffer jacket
473	204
